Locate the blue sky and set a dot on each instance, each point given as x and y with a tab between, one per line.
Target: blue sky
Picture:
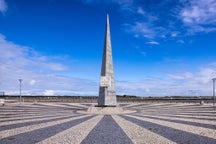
159	48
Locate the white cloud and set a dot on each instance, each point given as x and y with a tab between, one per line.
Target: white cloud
206	74
150	86
19	56
57	67
23	62
3	6
185	75
199	15
174	34
32	82
203	76
153	43
124	4
196	15
141	29
185	16
39	72
199	12
141	11
49	93
197	83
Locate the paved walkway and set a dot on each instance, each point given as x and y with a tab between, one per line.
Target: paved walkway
65	123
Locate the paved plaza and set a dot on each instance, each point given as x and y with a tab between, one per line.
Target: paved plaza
68	123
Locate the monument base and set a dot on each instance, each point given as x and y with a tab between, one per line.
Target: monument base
107	110
106	106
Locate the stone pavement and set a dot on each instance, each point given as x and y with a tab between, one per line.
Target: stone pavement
66	123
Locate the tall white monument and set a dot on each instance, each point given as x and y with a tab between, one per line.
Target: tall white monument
107	94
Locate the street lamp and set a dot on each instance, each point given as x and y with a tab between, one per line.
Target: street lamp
20	81
214	90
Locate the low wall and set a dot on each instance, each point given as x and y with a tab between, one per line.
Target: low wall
93	99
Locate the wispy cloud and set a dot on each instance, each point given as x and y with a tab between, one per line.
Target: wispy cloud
140	30
141	11
153	43
24	62
203	76
199	15
183	17
3	6
125	4
41	74
174	34
49	92
185	83
146	23
128	8
185	75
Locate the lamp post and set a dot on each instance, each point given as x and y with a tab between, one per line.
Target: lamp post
20	81
213	91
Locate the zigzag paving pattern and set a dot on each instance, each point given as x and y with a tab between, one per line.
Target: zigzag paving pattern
65	123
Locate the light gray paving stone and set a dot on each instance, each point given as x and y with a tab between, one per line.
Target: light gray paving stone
140	135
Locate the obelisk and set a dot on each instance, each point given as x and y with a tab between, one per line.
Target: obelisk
107	94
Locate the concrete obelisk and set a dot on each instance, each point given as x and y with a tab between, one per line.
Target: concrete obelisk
107	94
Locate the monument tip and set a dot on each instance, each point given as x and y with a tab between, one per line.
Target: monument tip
107	17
